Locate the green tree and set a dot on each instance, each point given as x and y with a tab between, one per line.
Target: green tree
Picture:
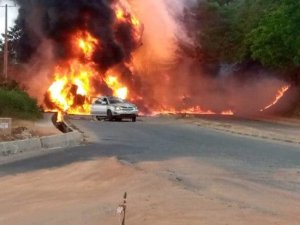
276	40
14	35
237	31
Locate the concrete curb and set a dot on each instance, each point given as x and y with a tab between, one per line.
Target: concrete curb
71	139
247	131
64	140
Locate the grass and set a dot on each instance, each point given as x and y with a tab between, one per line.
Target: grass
16	103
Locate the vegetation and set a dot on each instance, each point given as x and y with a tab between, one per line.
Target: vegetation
237	31
14	35
15	102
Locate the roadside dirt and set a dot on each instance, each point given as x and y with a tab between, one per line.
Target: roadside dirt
173	192
277	129
24	129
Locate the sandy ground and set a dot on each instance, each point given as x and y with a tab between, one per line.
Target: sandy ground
179	191
24	129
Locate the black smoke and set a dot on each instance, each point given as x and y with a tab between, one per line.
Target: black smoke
58	20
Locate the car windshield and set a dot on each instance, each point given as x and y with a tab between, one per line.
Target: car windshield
116	100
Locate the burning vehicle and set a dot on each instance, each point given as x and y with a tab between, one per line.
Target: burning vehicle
114	108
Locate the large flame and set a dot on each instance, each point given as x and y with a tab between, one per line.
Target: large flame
71	89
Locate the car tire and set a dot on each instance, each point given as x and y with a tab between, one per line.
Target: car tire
133	119
110	115
98	118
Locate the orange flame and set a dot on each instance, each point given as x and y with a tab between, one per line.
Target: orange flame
60	117
71	86
124	16
71	89
197	110
119	14
119	90
85	43
279	95
227	113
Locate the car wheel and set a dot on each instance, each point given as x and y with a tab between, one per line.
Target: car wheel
133	119
110	115
98	118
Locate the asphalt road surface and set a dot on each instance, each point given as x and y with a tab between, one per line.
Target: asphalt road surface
252	177
162	138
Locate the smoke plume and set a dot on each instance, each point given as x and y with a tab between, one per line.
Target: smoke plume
58	20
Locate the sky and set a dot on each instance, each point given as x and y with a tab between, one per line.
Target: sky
12	15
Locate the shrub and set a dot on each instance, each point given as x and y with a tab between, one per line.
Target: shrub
16	103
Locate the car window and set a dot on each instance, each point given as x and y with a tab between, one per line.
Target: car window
116	100
97	102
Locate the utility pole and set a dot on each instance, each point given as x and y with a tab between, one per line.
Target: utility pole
5	60
5	55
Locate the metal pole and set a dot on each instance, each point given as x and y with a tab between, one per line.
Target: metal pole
5	62
5	54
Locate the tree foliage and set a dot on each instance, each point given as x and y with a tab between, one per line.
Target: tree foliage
267	31
14	35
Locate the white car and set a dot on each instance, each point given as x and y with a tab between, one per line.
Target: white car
114	108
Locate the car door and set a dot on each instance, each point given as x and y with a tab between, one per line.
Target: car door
103	106
96	107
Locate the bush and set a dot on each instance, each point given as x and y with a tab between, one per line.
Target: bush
18	104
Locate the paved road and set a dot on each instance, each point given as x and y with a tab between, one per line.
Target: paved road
158	139
167	165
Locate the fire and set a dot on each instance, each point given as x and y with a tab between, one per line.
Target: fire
119	90
119	14
55	92
279	95
81	76
71	88
123	16
60	117
85	43
135	21
197	110
72	84
227	113
74	77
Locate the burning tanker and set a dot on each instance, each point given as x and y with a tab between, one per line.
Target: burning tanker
81	49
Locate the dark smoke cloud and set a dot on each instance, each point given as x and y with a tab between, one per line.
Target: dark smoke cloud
57	20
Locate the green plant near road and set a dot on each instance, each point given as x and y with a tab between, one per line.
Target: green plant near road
16	103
